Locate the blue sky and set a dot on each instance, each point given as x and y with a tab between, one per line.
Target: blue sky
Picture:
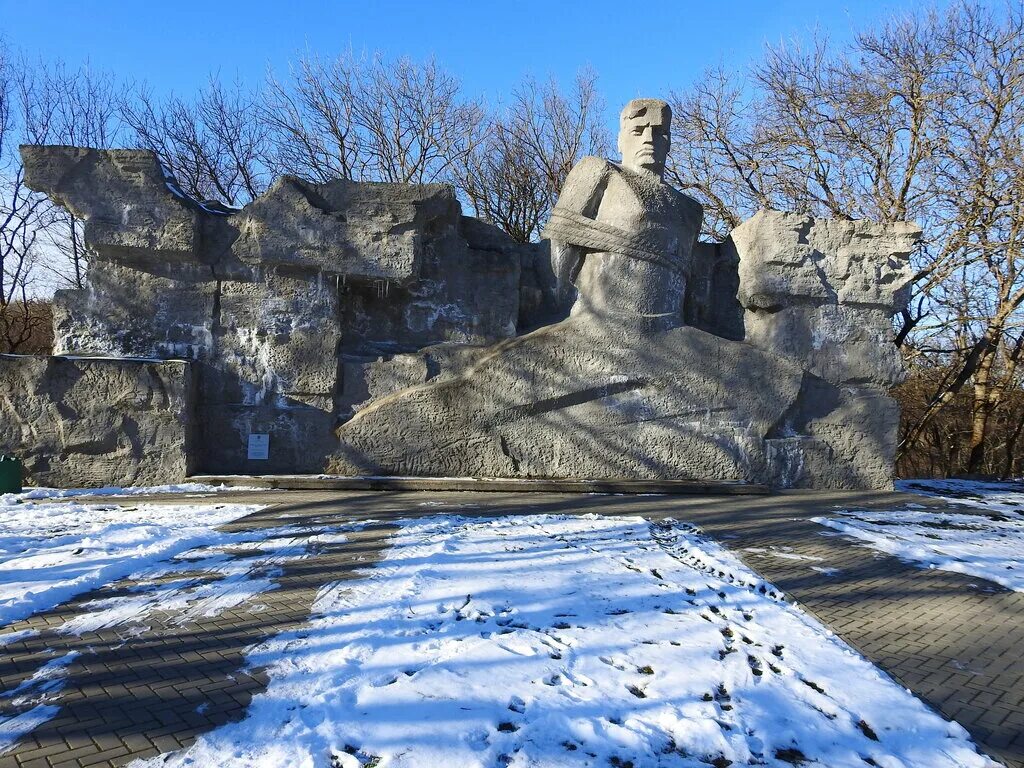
638	48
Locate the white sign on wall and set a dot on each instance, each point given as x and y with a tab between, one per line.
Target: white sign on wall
259	446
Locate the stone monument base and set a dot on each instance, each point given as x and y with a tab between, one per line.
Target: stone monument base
593	398
87	422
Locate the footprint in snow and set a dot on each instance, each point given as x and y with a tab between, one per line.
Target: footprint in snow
755	666
813	686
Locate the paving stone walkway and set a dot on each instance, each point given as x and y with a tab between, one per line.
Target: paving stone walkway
135	692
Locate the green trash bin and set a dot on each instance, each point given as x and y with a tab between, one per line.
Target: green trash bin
10	474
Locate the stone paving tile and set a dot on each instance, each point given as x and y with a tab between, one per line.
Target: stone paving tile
954	640
129	694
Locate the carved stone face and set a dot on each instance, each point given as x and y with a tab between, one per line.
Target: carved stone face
644	135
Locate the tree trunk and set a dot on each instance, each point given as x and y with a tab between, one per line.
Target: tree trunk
981	410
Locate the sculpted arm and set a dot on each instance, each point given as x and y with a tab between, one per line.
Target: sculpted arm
580	196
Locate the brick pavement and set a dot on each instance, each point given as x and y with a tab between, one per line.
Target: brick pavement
954	640
131	694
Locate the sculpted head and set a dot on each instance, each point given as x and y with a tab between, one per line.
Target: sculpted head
644	135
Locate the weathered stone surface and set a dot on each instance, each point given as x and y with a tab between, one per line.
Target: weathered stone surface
272	369
710	302
618	390
861	433
365	380
125	312
794	258
841	343
276	342
79	422
625	238
620	233
135	213
540	302
362	230
301	437
467	292
571	400
835	437
373	328
822	291
133	210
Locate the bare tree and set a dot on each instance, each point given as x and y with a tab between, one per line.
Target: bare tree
20	224
20	212
513	177
501	182
849	135
311	117
370	119
61	105
919	119
417	126
720	152
979	211
215	144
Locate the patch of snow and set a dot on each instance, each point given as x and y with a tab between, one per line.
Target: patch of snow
781	552
204	582
47	678
50	552
129	359
560	641
794	556
34	697
12	729
972	544
14	637
826	571
216	208
1007	497
32	494
985	540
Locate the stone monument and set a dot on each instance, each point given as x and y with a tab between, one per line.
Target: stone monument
366	328
622	388
622	235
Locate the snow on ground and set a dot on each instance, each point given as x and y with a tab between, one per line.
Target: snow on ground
995	497
204	582
566	641
14	728
985	540
33	701
50	552
785	553
8	499
228	569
